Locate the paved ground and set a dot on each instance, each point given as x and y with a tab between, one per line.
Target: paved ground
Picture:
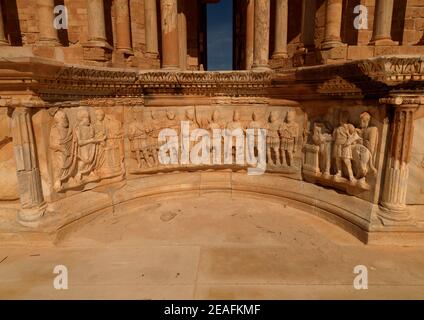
212	247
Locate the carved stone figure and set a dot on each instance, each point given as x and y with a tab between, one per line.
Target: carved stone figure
100	132
62	145
153	136
323	141
289	132
190	117
114	149
233	125
215	124
364	154
344	137
137	134
86	145
273	139
369	135
256	125
172	123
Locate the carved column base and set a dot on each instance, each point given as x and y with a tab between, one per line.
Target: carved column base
48	43
280	55
31	217
125	51
384	42
332	44
394	216
97	51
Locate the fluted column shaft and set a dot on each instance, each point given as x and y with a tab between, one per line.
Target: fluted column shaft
182	37
261	39
281	25
123	26
250	33
151	26
383	23
48	33
29	180
96	24
396	179
170	41
333	24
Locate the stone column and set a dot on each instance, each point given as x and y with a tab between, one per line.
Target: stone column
250	31
261	38
3	40
151	27
96	24
48	33
31	194
383	23
393	202
123	26
182	37
281	25
308	23
333	24
170	42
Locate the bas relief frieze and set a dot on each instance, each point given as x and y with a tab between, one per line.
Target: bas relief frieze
342	150
282	142
92	144
86	145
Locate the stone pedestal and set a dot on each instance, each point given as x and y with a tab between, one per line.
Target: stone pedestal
151	27
29	181
383	24
333	24
3	40
48	34
261	38
170	41
393	203
123	27
281	25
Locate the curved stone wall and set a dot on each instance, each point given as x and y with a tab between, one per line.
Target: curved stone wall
336	141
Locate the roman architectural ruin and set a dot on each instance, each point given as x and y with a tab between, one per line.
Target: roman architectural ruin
82	108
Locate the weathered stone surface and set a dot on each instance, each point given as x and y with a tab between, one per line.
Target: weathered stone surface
89	129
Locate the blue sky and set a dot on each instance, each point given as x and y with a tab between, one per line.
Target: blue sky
220	35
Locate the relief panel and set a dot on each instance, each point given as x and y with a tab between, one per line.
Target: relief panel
86	146
343	149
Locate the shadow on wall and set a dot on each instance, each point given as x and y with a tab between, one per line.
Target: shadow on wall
11	21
